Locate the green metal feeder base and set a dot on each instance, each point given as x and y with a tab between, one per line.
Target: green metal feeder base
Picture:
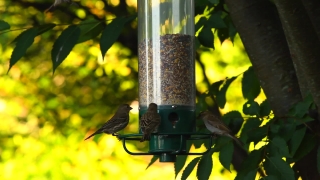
175	119
167	153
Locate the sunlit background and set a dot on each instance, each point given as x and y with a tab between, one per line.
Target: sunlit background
45	117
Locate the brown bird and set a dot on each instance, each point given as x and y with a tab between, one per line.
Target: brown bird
216	126
149	122
118	122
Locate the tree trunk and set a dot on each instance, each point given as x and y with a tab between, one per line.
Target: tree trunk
313	9
262	35
304	46
267	43
303	42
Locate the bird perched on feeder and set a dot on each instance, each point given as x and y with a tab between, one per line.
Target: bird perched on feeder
149	121
56	3
216	126
118	122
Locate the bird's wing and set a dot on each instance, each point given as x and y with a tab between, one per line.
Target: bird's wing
219	124
149	121
145	121
116	123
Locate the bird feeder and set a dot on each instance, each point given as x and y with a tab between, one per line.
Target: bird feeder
167	73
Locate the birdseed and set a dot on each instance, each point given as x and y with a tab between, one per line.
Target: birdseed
166	70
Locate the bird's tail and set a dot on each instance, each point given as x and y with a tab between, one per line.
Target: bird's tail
90	136
236	139
99	131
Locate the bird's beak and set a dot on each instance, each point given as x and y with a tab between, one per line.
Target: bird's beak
130	108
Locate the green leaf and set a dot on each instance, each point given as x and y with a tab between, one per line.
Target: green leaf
296	140
45	27
225	155
220	142
180	161
23	42
307	144
200	23
187	171
197	144
270	177
278	167
216	21
286	130
153	160
90	29
206	37
64	44
221	96
250	126
250	164
201	104
302	108
258	134
205	167
231	28
251	108
229	32
274	128
281	145
197	43
318	159
265	108
250	85
251	175
253	160
234	120
4	25
214	87
223	34
304	120
111	33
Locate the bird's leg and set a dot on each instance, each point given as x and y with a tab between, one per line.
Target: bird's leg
214	135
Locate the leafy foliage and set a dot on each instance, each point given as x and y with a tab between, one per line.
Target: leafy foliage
280	139
69	37
250	164
205	167
225	155
234	120
23	42
279	168
153	160
4	25
221	95
205	37
250	85
90	29
64	44
189	168
111	33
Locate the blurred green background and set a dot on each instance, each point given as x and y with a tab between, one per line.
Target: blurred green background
44	118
